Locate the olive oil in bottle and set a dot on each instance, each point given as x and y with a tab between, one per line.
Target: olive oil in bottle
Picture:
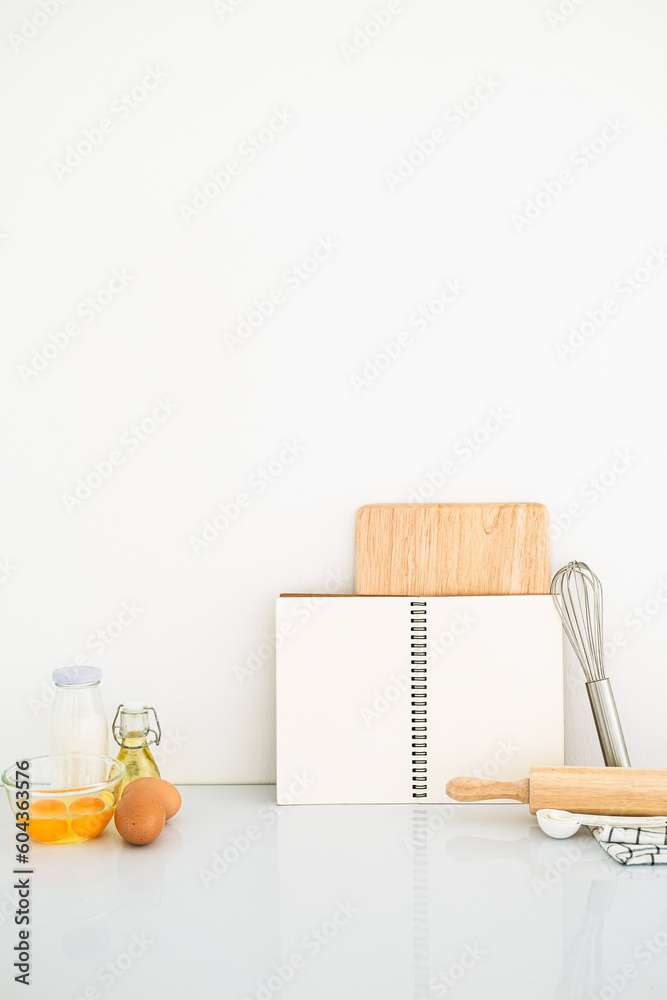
132	732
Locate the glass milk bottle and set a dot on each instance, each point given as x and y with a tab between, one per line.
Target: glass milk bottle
78	720
131	730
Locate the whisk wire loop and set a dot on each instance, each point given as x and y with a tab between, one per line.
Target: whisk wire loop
577	594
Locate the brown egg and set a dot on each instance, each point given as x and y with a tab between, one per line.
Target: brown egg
165	791
140	818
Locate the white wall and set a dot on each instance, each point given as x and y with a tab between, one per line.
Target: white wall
220	71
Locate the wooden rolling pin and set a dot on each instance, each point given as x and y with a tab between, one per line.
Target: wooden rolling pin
619	791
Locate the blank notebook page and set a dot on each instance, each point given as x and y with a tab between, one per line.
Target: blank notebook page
361	717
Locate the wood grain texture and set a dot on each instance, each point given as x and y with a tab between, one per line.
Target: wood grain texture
622	791
446	550
479	789
619	791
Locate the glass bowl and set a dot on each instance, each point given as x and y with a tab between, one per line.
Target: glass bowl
67	799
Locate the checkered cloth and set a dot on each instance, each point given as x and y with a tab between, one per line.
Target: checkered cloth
635	846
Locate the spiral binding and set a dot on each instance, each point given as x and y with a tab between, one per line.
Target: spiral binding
418	698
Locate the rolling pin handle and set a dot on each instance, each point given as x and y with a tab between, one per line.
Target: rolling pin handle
479	789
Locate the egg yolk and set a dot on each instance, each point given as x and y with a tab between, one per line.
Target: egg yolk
44	824
47	809
56	821
88	805
91	826
48	831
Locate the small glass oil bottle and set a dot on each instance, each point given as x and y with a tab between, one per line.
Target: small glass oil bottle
133	735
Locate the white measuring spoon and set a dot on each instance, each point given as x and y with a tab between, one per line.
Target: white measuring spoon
560	824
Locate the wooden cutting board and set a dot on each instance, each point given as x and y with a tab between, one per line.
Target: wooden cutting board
450	549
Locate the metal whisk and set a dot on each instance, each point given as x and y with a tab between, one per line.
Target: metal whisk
577	594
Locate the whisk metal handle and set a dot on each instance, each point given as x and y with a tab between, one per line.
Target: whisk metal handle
608	723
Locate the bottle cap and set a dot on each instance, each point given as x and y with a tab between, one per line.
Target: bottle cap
133	707
77	675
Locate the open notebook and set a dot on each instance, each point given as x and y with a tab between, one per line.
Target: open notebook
383	699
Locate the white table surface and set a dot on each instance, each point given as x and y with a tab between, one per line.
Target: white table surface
344	902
